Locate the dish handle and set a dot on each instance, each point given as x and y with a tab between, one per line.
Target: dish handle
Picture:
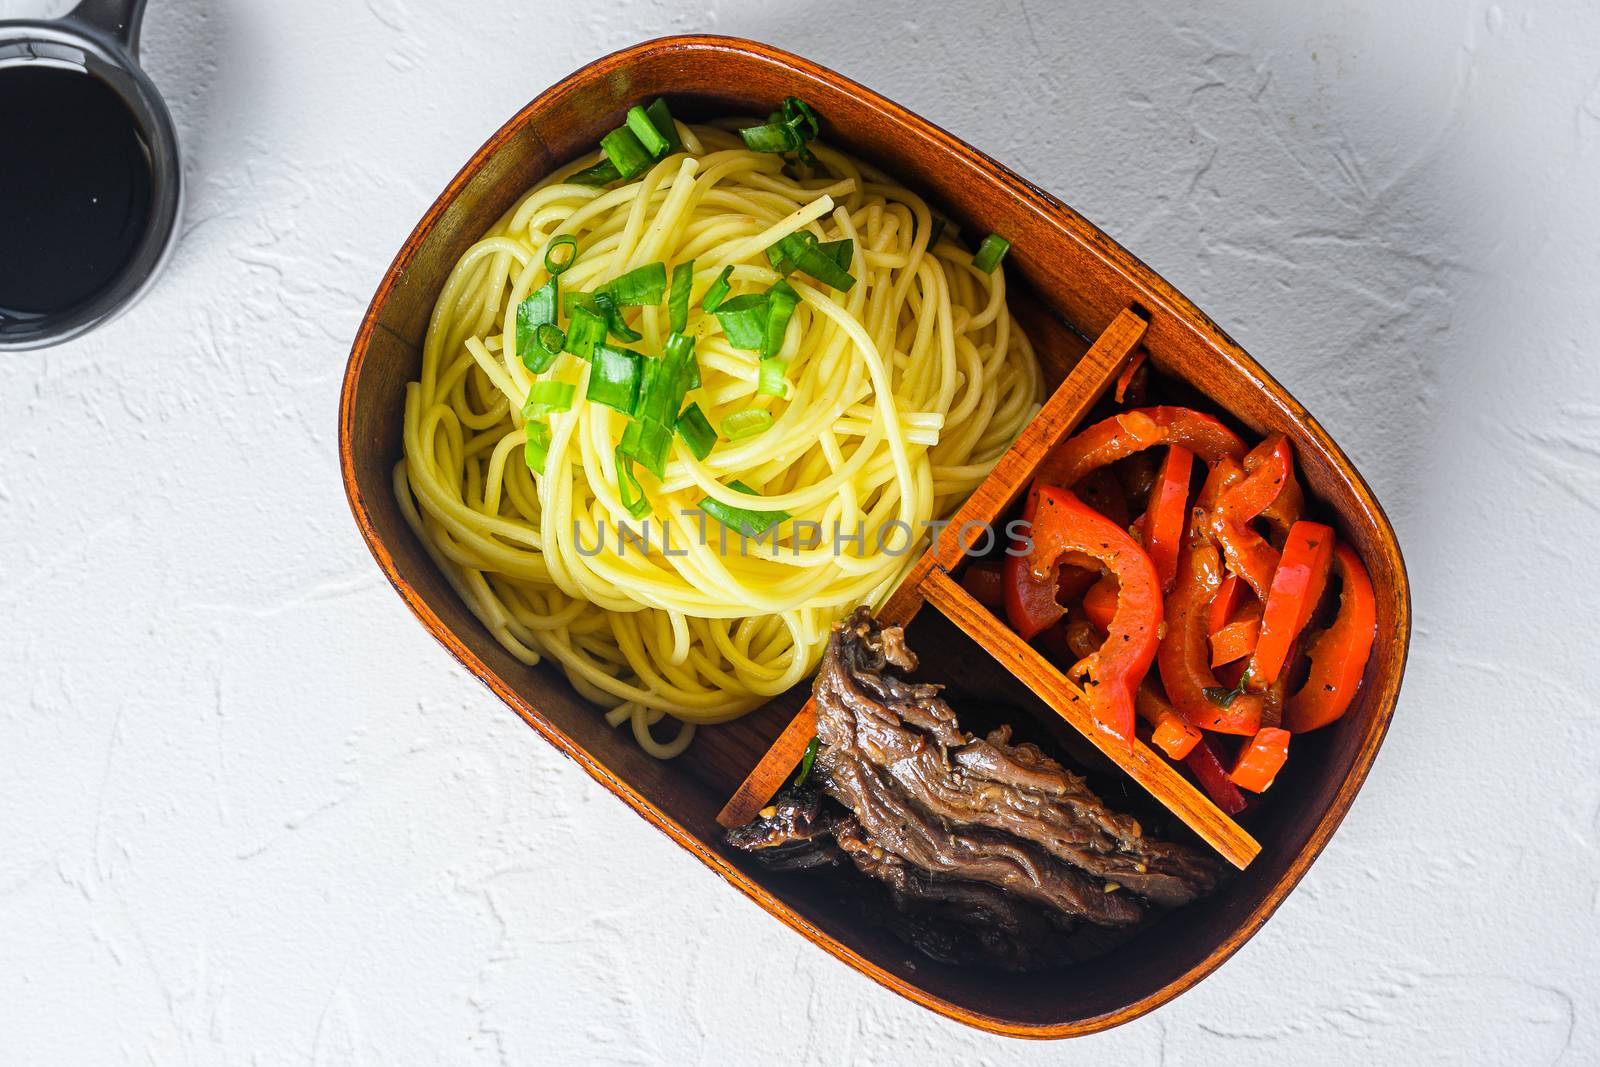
116	19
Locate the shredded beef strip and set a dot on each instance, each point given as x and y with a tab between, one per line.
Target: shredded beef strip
905	731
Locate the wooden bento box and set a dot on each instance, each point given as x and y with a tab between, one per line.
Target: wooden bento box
1086	303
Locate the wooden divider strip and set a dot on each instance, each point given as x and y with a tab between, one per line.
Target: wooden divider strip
1083	386
1142	763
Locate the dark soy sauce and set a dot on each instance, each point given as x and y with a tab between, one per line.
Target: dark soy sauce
74	189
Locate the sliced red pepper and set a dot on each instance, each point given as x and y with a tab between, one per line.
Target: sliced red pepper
1062	524
1286	507
1170	732
1260	760
1163	522
1235	641
1247	552
1223	606
1133	431
1031	607
1338	654
1125	379
1185	655
1100	602
986	582
1213	777
1297	585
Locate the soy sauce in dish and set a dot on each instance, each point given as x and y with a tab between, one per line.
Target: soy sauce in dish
75	189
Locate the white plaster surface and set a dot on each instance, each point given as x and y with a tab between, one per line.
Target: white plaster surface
250	812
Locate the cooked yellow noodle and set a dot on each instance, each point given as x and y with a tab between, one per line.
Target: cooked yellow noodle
902	393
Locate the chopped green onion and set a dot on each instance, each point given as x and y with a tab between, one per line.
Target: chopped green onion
644	129
748	521
680	349
678	296
801	251
786	130
536	445
537	310
773	137
773	382
546	398
744	320
640	287
548	341
661	389
625	152
628	487
696	431
614	377
662	118
606	304
586	329
602	173
718	291
991	252
746	423
558	263
805	763
573	299
781	302
649	443
842	252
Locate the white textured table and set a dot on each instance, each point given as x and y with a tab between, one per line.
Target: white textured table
250	812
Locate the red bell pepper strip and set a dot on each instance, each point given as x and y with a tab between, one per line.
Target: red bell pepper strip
1163	522
1338	654
1229	596
1286	507
1235	641
1100	602
1184	657
1246	551
1133	431
1213	777
1125	379
1170	732
1297	585
1031	607
986	582
1062	523
1260	760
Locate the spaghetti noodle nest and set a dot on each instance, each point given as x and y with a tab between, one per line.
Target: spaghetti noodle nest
900	394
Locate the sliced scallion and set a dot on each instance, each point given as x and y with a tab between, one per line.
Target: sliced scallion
661	388
585	330
718	291
781	302
548	341
744	320
664	125
640	287
628	487
546	398
801	251
678	296
648	442
772	381
555	260
606	305
680	349
602	173
614	377
536	445
748	521
644	129
746	423
625	152
538	309
696	431
990	253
